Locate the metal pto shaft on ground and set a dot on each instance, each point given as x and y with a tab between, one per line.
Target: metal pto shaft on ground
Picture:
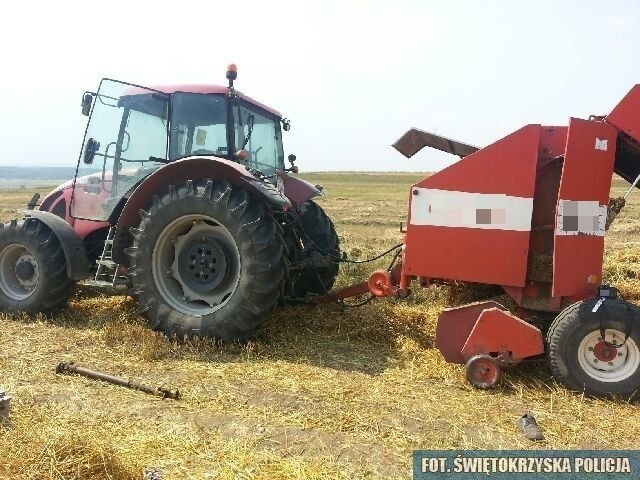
71	367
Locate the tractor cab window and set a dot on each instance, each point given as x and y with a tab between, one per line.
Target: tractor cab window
126	141
259	135
198	125
144	137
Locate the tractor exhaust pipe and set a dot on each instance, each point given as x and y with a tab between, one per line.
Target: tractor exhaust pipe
161	392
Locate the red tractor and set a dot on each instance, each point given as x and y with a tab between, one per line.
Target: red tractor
181	195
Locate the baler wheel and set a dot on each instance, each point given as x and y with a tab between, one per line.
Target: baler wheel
483	372
584	361
33	269
207	260
317	232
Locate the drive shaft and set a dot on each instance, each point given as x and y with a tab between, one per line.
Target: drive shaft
71	367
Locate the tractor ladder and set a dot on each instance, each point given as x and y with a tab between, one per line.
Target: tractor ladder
108	272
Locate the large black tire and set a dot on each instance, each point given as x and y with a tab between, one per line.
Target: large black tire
33	269
582	362
255	263
318	235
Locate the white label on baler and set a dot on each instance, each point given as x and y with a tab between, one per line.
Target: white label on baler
581	217
490	211
601	144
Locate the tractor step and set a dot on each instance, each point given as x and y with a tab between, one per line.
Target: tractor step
120	284
107	263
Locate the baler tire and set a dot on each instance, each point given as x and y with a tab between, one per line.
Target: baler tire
568	350
317	230
31	239
258	254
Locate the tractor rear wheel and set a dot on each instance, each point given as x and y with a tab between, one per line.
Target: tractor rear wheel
33	269
584	361
207	260
318	235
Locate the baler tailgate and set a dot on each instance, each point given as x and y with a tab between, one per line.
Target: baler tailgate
582	212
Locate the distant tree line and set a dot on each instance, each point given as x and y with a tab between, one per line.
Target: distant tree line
37	173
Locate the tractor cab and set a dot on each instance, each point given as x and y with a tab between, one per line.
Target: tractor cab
134	130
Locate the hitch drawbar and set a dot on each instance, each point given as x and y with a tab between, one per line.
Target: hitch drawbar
71	367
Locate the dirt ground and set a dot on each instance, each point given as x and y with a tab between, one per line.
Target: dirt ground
321	393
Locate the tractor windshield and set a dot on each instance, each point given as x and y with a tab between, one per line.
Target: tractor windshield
260	136
198	125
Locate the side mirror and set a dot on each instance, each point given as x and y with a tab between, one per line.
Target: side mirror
90	150
293	168
286	124
87	100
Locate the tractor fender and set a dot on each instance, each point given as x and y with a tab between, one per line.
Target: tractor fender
195	168
72	245
298	190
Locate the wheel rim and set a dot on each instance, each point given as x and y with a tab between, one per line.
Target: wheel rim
196	264
19	272
609	359
483	372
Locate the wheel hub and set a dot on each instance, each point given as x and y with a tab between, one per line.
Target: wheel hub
202	264
484	371
25	269
609	359
196	264
19	272
605	352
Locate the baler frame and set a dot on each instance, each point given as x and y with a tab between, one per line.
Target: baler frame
528	213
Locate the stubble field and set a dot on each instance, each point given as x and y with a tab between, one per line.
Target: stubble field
321	393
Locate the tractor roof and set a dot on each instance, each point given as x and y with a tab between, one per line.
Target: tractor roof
205	88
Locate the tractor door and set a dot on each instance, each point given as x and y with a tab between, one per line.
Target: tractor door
125	141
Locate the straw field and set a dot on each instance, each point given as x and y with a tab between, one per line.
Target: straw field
321	393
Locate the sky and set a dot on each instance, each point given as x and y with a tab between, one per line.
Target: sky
351	75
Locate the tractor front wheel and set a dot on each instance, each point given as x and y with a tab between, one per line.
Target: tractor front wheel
207	260
318	236
33	269
597	352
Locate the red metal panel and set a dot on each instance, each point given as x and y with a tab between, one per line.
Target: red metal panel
553	140
626	115
507	166
486	256
586	176
455	325
497	331
495	256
